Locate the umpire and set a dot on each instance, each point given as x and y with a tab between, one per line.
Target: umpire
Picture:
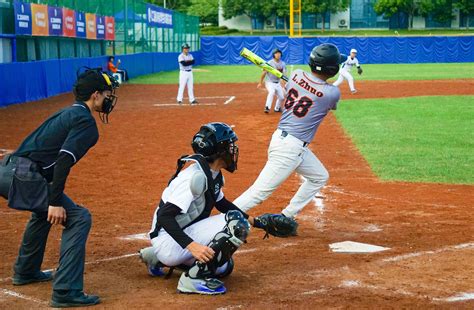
33	179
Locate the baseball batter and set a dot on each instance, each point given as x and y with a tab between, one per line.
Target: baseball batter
309	98
272	83
186	62
346	68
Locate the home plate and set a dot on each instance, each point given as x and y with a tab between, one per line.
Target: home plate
143	236
355	247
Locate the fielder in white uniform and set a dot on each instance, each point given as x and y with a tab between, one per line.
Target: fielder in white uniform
309	99
186	61
272	83
346	68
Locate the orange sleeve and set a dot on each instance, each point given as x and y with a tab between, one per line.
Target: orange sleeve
112	68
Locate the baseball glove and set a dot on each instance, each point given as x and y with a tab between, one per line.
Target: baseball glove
276	225
359	70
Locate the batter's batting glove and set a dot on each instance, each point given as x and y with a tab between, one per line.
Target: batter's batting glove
276	225
359	70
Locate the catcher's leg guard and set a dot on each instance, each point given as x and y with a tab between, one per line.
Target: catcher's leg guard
201	277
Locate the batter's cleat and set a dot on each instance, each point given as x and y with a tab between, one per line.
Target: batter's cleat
267	110
277	110
194	102
38	277
180	102
67	299
209	286
353	91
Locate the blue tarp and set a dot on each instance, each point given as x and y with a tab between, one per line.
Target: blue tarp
28	81
220	50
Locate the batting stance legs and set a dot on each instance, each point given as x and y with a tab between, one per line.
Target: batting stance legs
286	154
345	75
274	89
185	80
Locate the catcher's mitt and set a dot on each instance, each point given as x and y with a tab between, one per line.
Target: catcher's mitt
359	70
276	225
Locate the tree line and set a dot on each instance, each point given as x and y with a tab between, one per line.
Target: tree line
207	10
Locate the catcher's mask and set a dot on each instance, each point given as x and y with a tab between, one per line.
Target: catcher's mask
325	59
92	80
217	140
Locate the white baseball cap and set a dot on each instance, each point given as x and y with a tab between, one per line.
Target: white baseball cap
353	50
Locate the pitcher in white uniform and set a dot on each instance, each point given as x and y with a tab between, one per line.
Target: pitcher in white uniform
309	99
272	83
186	62
346	68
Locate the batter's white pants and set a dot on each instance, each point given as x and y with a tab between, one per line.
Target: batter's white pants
170	253
343	74
274	89
285	156
185	79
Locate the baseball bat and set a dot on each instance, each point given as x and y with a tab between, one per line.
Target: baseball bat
250	56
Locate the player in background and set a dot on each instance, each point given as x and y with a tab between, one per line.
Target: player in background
186	62
309	98
346	68
272	83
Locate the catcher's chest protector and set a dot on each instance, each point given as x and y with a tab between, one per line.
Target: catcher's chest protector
201	207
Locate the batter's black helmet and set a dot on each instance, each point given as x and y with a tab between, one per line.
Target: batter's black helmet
277	51
185	45
325	59
217	140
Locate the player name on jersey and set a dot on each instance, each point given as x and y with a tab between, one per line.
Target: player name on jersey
305	85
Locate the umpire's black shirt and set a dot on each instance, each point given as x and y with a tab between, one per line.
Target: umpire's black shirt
72	130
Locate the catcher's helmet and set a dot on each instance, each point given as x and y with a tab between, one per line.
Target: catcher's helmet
277	51
217	140
185	45
325	59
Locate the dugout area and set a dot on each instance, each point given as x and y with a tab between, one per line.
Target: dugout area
427	226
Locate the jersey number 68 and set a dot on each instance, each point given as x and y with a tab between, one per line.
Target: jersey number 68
301	108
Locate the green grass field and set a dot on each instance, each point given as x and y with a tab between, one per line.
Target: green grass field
429	139
251	73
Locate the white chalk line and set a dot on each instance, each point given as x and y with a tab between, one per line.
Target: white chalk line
229	100
397	258
204	97
22	296
183	105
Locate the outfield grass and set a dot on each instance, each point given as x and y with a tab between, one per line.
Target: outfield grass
251	73
429	139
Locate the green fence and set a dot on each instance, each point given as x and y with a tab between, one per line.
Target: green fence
132	34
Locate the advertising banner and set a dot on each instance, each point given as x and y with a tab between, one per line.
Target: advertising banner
91	27
159	17
81	25
22	18
109	28
55	15
39	14
100	22
69	23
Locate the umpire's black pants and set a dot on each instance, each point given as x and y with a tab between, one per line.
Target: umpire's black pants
70	273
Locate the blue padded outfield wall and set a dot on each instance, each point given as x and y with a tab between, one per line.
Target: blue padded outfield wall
218	50
28	81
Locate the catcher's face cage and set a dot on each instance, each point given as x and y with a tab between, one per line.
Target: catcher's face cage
231	156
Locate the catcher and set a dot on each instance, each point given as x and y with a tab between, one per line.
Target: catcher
185	235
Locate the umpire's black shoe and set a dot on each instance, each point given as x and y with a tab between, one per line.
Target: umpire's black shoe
38	277
66	299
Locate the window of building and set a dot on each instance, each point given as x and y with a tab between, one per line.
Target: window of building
430	22
463	20
363	15
315	21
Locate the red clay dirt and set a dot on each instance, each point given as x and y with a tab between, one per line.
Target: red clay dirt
429	227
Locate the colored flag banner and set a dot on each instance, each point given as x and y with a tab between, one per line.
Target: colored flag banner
100	21
69	23
22	18
55	15
159	17
81	25
109	28
39	14
91	27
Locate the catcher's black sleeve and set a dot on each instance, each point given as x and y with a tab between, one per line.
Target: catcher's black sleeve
166	219
61	171
225	205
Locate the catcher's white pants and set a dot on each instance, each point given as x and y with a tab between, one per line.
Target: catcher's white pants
185	79
170	253
285	156
343	74
274	89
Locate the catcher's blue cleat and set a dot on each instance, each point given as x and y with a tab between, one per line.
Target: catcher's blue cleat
209	286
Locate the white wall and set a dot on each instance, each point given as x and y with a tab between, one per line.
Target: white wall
418	22
5	50
242	22
335	18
